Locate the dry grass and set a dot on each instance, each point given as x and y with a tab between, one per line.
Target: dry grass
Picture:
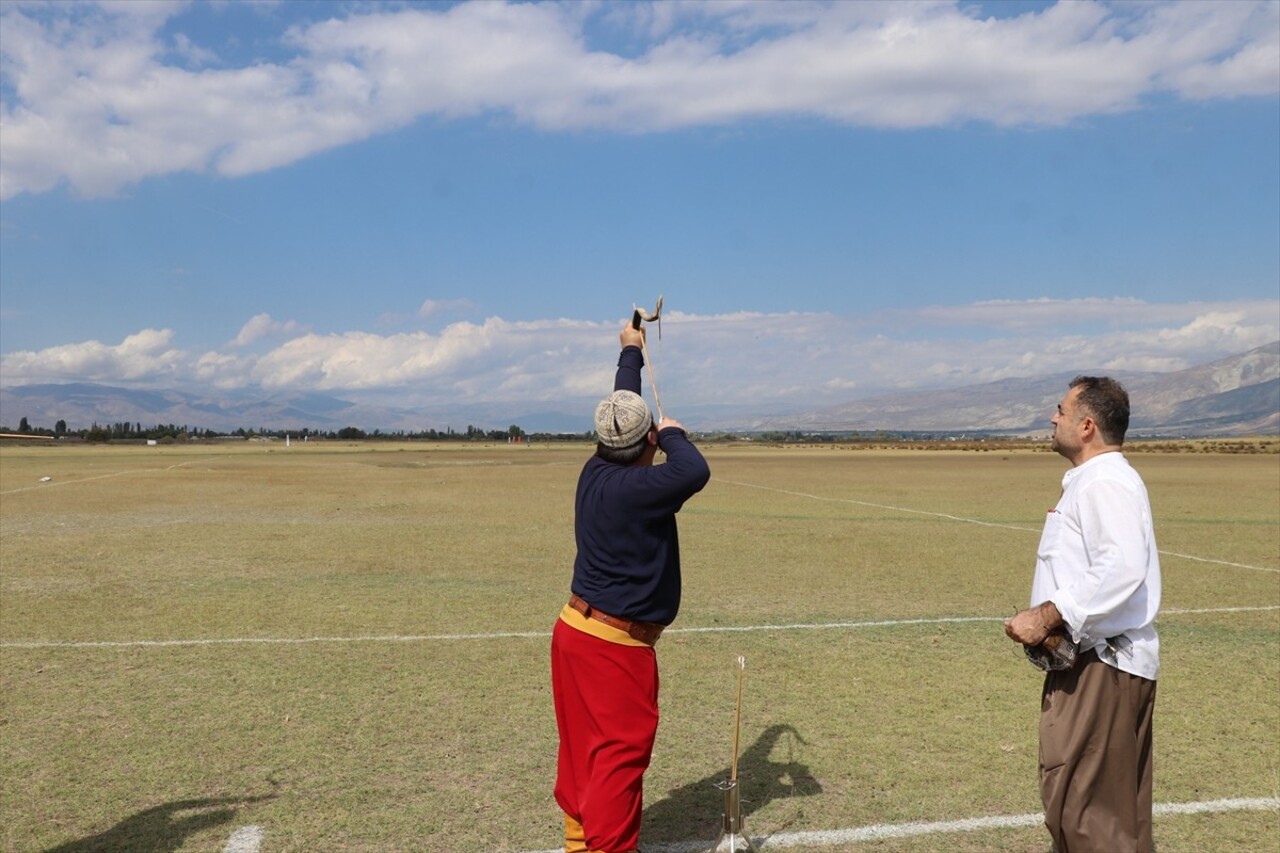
448	744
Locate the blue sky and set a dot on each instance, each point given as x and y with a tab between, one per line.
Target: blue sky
438	204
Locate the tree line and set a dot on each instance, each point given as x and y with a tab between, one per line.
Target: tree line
135	431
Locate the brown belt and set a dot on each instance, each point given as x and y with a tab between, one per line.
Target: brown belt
645	632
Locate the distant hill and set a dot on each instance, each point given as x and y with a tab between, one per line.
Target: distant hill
83	404
1239	395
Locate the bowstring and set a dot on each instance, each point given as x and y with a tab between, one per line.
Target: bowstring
653	382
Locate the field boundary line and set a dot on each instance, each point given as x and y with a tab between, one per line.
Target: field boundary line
1218	562
809	840
976	521
528	635
882	506
53	483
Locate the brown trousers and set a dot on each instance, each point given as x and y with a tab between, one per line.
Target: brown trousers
1095	758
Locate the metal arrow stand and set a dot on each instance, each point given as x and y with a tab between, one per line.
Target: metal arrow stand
733	836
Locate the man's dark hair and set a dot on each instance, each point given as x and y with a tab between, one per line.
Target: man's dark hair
622	455
1105	400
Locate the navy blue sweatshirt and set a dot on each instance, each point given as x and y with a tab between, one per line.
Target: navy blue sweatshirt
628	561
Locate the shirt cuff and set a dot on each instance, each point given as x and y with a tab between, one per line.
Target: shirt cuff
1073	615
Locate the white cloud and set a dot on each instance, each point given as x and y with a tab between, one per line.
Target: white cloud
192	53
464	361
222	371
145	356
1204	55
435	307
92	99
263	326
771	362
1085	314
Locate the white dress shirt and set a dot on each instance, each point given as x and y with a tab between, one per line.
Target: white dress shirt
1097	562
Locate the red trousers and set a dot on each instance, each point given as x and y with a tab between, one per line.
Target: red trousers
606	699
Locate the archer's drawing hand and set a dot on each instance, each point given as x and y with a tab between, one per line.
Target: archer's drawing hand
671	422
632	337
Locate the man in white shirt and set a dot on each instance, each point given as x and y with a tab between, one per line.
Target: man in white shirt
1097	579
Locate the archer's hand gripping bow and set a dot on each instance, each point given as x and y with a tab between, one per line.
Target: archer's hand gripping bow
636	318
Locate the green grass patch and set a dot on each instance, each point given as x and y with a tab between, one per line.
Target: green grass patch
424	736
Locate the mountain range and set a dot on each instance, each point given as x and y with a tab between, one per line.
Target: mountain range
1237	395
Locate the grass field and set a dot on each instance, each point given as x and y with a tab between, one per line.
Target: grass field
344	647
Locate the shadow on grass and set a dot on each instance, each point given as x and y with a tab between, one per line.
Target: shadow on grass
695	810
160	829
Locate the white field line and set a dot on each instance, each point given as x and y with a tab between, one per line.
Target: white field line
1218	562
246	839
106	476
881	506
527	635
979	522
878	832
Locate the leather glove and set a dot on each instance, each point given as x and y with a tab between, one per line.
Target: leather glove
1056	653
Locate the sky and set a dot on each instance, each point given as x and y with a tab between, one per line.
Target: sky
435	205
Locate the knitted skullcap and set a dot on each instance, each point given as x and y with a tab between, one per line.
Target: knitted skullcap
622	419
